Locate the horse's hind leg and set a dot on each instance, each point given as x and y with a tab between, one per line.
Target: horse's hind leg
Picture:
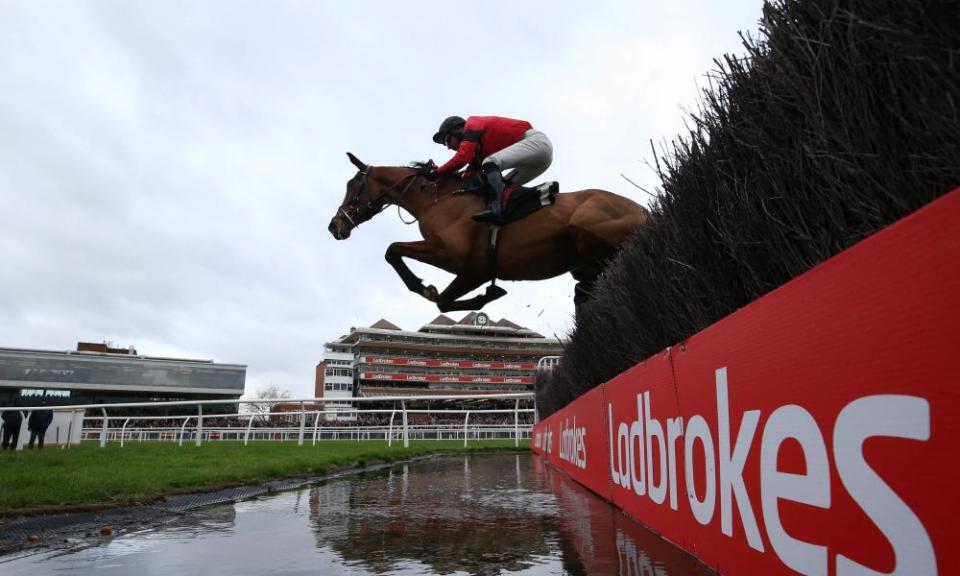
447	302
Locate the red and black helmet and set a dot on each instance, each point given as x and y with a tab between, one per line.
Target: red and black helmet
451	124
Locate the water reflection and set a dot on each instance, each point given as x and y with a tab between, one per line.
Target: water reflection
477	515
606	541
474	516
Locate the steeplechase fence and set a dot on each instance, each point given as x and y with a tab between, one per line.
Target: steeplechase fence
814	431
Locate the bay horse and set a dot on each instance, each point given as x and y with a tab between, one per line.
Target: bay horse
577	234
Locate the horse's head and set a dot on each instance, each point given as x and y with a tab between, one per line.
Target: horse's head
359	204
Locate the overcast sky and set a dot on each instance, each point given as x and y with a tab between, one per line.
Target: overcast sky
168	169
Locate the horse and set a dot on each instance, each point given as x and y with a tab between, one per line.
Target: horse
579	233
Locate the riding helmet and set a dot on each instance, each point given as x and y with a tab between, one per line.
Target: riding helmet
449	125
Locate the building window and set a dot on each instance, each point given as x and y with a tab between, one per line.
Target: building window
339	386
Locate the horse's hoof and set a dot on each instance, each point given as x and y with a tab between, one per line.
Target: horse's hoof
494	292
430	293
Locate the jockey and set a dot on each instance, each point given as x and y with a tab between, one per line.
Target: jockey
494	144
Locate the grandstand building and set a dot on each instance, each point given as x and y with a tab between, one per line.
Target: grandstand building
444	357
100	374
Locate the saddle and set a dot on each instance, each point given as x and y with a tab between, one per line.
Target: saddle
518	201
521	201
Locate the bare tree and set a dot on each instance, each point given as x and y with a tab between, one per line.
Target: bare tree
262	409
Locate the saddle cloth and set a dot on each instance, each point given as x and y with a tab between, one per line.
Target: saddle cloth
520	201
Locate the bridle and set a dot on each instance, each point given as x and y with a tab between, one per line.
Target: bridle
354	203
354	216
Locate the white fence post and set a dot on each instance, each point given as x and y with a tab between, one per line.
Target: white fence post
182	427
123	431
406	434
390	429
103	430
303	423
466	420
316	426
246	435
199	423
516	423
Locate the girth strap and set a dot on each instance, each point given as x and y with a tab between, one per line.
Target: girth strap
492	253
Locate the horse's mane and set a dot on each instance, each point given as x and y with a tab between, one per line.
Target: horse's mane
430	165
422	166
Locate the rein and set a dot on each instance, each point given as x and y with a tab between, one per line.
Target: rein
353	214
410	179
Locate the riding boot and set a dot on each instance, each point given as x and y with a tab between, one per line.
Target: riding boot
494	213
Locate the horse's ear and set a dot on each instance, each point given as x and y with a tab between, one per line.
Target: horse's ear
356	162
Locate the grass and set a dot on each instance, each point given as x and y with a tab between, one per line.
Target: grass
54	478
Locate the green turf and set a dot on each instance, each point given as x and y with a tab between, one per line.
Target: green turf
87	474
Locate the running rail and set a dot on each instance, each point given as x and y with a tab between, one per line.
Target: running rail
340	410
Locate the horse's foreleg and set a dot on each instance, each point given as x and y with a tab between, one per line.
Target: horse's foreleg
421	251
447	302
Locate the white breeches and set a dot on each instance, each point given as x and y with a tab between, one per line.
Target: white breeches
527	158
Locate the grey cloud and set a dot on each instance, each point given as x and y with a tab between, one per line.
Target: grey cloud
168	169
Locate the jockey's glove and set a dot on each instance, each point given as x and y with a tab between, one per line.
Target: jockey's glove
429	171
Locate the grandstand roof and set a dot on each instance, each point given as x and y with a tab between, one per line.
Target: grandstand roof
473	324
384	325
470	319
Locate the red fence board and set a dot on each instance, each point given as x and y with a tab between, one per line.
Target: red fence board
815	430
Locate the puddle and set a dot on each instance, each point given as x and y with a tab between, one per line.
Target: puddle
470	515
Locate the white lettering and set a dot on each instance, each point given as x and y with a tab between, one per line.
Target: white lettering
643	458
572	444
674	431
697	429
654	430
623	447
731	468
614	472
812	488
637	457
891	416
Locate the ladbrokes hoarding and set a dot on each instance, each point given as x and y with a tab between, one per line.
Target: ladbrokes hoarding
813	432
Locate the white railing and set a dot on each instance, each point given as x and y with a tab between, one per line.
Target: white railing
548	362
404	431
175	434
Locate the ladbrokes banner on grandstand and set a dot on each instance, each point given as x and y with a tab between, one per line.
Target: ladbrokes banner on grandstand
813	432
